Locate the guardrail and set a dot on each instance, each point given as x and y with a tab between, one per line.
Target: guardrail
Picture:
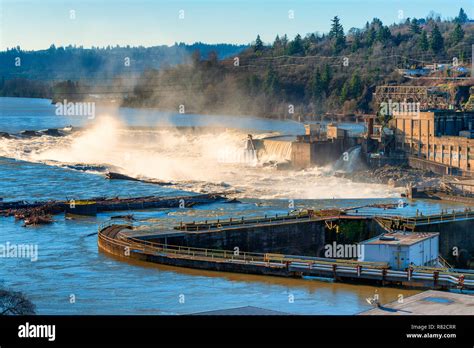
454	216
106	224
428	219
308	265
156	248
261	220
242	221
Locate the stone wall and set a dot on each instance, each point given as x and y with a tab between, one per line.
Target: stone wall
303	238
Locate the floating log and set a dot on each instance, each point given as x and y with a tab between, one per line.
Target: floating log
38	220
123	217
118	176
24	210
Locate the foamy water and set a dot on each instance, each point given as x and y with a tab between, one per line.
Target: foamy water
196	161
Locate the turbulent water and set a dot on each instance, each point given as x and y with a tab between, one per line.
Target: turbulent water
69	262
197	161
350	160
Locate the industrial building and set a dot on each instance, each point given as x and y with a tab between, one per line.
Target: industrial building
320	145
439	140
402	249
426	127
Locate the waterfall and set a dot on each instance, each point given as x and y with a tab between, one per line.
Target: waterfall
232	155
235	154
274	150
350	160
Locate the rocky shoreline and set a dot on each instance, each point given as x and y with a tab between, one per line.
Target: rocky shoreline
395	176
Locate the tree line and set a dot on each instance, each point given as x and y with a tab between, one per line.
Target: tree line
335	72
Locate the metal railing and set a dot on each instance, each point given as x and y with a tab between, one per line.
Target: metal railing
442	217
242	221
106	224
154	248
207	225
291	262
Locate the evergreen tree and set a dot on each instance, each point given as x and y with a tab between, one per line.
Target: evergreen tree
398	39
336	28
278	46
371	35
457	35
336	34
344	93
437	42
383	34
326	77
423	42
317	87
284	40
356	43
258	47
414	27
277	42
462	17
376	23
296	46
355	85
312	38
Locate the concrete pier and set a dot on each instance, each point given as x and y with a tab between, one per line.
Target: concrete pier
429	302
260	248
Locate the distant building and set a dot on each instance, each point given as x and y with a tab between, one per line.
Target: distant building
335	132
402	249
414	72
441	138
320	145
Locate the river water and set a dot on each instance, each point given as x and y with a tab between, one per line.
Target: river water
71	276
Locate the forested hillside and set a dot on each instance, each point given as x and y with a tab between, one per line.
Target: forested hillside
335	72
33	73
314	74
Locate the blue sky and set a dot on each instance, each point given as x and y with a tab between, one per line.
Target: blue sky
36	24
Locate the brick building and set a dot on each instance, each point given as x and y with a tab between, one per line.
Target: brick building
440	140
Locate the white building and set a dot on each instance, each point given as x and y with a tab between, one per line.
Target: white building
400	249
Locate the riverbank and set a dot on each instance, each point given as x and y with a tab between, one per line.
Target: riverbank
395	176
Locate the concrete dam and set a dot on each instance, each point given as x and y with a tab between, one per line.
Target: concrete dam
320	146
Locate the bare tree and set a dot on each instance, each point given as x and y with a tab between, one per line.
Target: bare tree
15	303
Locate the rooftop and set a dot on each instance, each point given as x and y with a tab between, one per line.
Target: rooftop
430	302
400	238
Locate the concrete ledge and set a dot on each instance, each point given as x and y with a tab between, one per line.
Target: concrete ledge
430	302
